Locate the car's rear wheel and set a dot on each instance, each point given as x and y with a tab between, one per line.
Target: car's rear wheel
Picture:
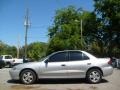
28	77
94	76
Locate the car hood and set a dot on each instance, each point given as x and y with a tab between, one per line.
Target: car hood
28	65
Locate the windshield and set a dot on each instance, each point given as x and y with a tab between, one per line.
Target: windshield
42	59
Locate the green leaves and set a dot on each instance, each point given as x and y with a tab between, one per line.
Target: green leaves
6	49
66	30
100	29
37	50
108	12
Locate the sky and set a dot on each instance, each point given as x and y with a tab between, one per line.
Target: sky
41	14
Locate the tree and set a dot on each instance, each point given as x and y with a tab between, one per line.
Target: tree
36	50
6	49
66	33
108	12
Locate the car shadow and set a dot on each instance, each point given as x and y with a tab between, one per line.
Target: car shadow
58	81
14	82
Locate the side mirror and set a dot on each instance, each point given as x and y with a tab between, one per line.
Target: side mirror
46	61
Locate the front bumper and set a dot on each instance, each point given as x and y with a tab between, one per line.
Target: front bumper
14	74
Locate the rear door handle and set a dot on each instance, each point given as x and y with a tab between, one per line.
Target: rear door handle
63	65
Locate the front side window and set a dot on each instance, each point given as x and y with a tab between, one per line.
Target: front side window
59	57
77	56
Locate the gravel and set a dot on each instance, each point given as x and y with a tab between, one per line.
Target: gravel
108	83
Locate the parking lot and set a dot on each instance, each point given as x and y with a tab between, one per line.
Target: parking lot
108	83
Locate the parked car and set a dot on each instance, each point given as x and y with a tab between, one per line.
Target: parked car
2	64
8	60
64	64
115	62
119	64
19	61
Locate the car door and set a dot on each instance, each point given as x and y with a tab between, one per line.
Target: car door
55	66
77	65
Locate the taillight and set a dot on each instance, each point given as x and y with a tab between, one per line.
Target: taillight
110	62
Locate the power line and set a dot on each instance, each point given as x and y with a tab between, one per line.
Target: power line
43	26
37	37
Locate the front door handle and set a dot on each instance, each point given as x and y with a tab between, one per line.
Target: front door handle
88	63
63	65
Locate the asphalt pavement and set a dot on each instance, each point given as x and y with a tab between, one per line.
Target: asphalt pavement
108	83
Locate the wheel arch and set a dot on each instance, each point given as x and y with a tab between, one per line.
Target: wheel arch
28	69
95	68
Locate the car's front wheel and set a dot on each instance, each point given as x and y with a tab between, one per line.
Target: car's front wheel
28	77
94	76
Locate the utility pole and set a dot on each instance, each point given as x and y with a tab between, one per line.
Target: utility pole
27	25
81	25
18	48
81	31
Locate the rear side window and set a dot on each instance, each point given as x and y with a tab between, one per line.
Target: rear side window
84	57
59	57
77	56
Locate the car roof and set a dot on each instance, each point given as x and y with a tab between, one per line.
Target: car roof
69	50
66	51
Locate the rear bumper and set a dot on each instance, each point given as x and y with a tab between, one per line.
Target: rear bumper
107	71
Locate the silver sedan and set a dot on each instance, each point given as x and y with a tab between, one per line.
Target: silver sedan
64	64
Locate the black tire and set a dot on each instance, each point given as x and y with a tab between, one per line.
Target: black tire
28	77
94	76
2	64
10	65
